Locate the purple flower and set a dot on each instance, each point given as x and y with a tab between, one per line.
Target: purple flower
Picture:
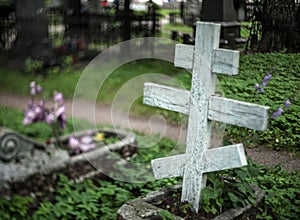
74	144
50	118
277	113
85	144
62	121
35	88
287	103
30	104
39	89
60	111
29	117
41	104
58	98
258	88
266	79
87	147
32	91
39	113
86	139
32	84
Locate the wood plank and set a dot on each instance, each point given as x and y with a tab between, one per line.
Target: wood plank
221	158
198	134
168	167
238	113
221	109
184	56
166	97
226	61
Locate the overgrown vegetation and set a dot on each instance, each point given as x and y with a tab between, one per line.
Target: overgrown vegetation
283	132
95	199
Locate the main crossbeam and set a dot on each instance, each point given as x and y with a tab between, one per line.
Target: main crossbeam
221	109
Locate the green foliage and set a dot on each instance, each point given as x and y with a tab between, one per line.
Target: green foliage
11	118
4	3
33	66
282	132
282	190
94	199
14	209
227	189
165	215
16	82
86	200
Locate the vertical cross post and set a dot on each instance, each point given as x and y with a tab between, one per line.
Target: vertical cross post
198	134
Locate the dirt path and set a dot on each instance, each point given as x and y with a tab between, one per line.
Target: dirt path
107	116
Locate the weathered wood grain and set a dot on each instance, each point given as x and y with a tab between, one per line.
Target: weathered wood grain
221	109
224	61
198	134
166	97
216	159
238	113
184	56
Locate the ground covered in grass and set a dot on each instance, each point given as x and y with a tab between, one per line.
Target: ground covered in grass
97	198
57	196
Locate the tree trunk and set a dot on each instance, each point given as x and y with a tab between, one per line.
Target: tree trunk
278	19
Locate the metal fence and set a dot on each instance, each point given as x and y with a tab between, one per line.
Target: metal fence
89	31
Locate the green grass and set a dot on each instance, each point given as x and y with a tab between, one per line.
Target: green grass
283	133
17	82
167	28
102	198
166	12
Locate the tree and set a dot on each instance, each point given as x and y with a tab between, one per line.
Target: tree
279	30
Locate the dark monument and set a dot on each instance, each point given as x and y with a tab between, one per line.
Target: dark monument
32	28
223	12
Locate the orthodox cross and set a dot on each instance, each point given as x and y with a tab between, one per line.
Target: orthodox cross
202	106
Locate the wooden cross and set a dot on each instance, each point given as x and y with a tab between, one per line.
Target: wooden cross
205	59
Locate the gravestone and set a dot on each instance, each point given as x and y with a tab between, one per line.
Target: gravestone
32	29
206	60
223	12
21	157
13	144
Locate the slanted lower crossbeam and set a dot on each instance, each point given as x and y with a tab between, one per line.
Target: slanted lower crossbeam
221	158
